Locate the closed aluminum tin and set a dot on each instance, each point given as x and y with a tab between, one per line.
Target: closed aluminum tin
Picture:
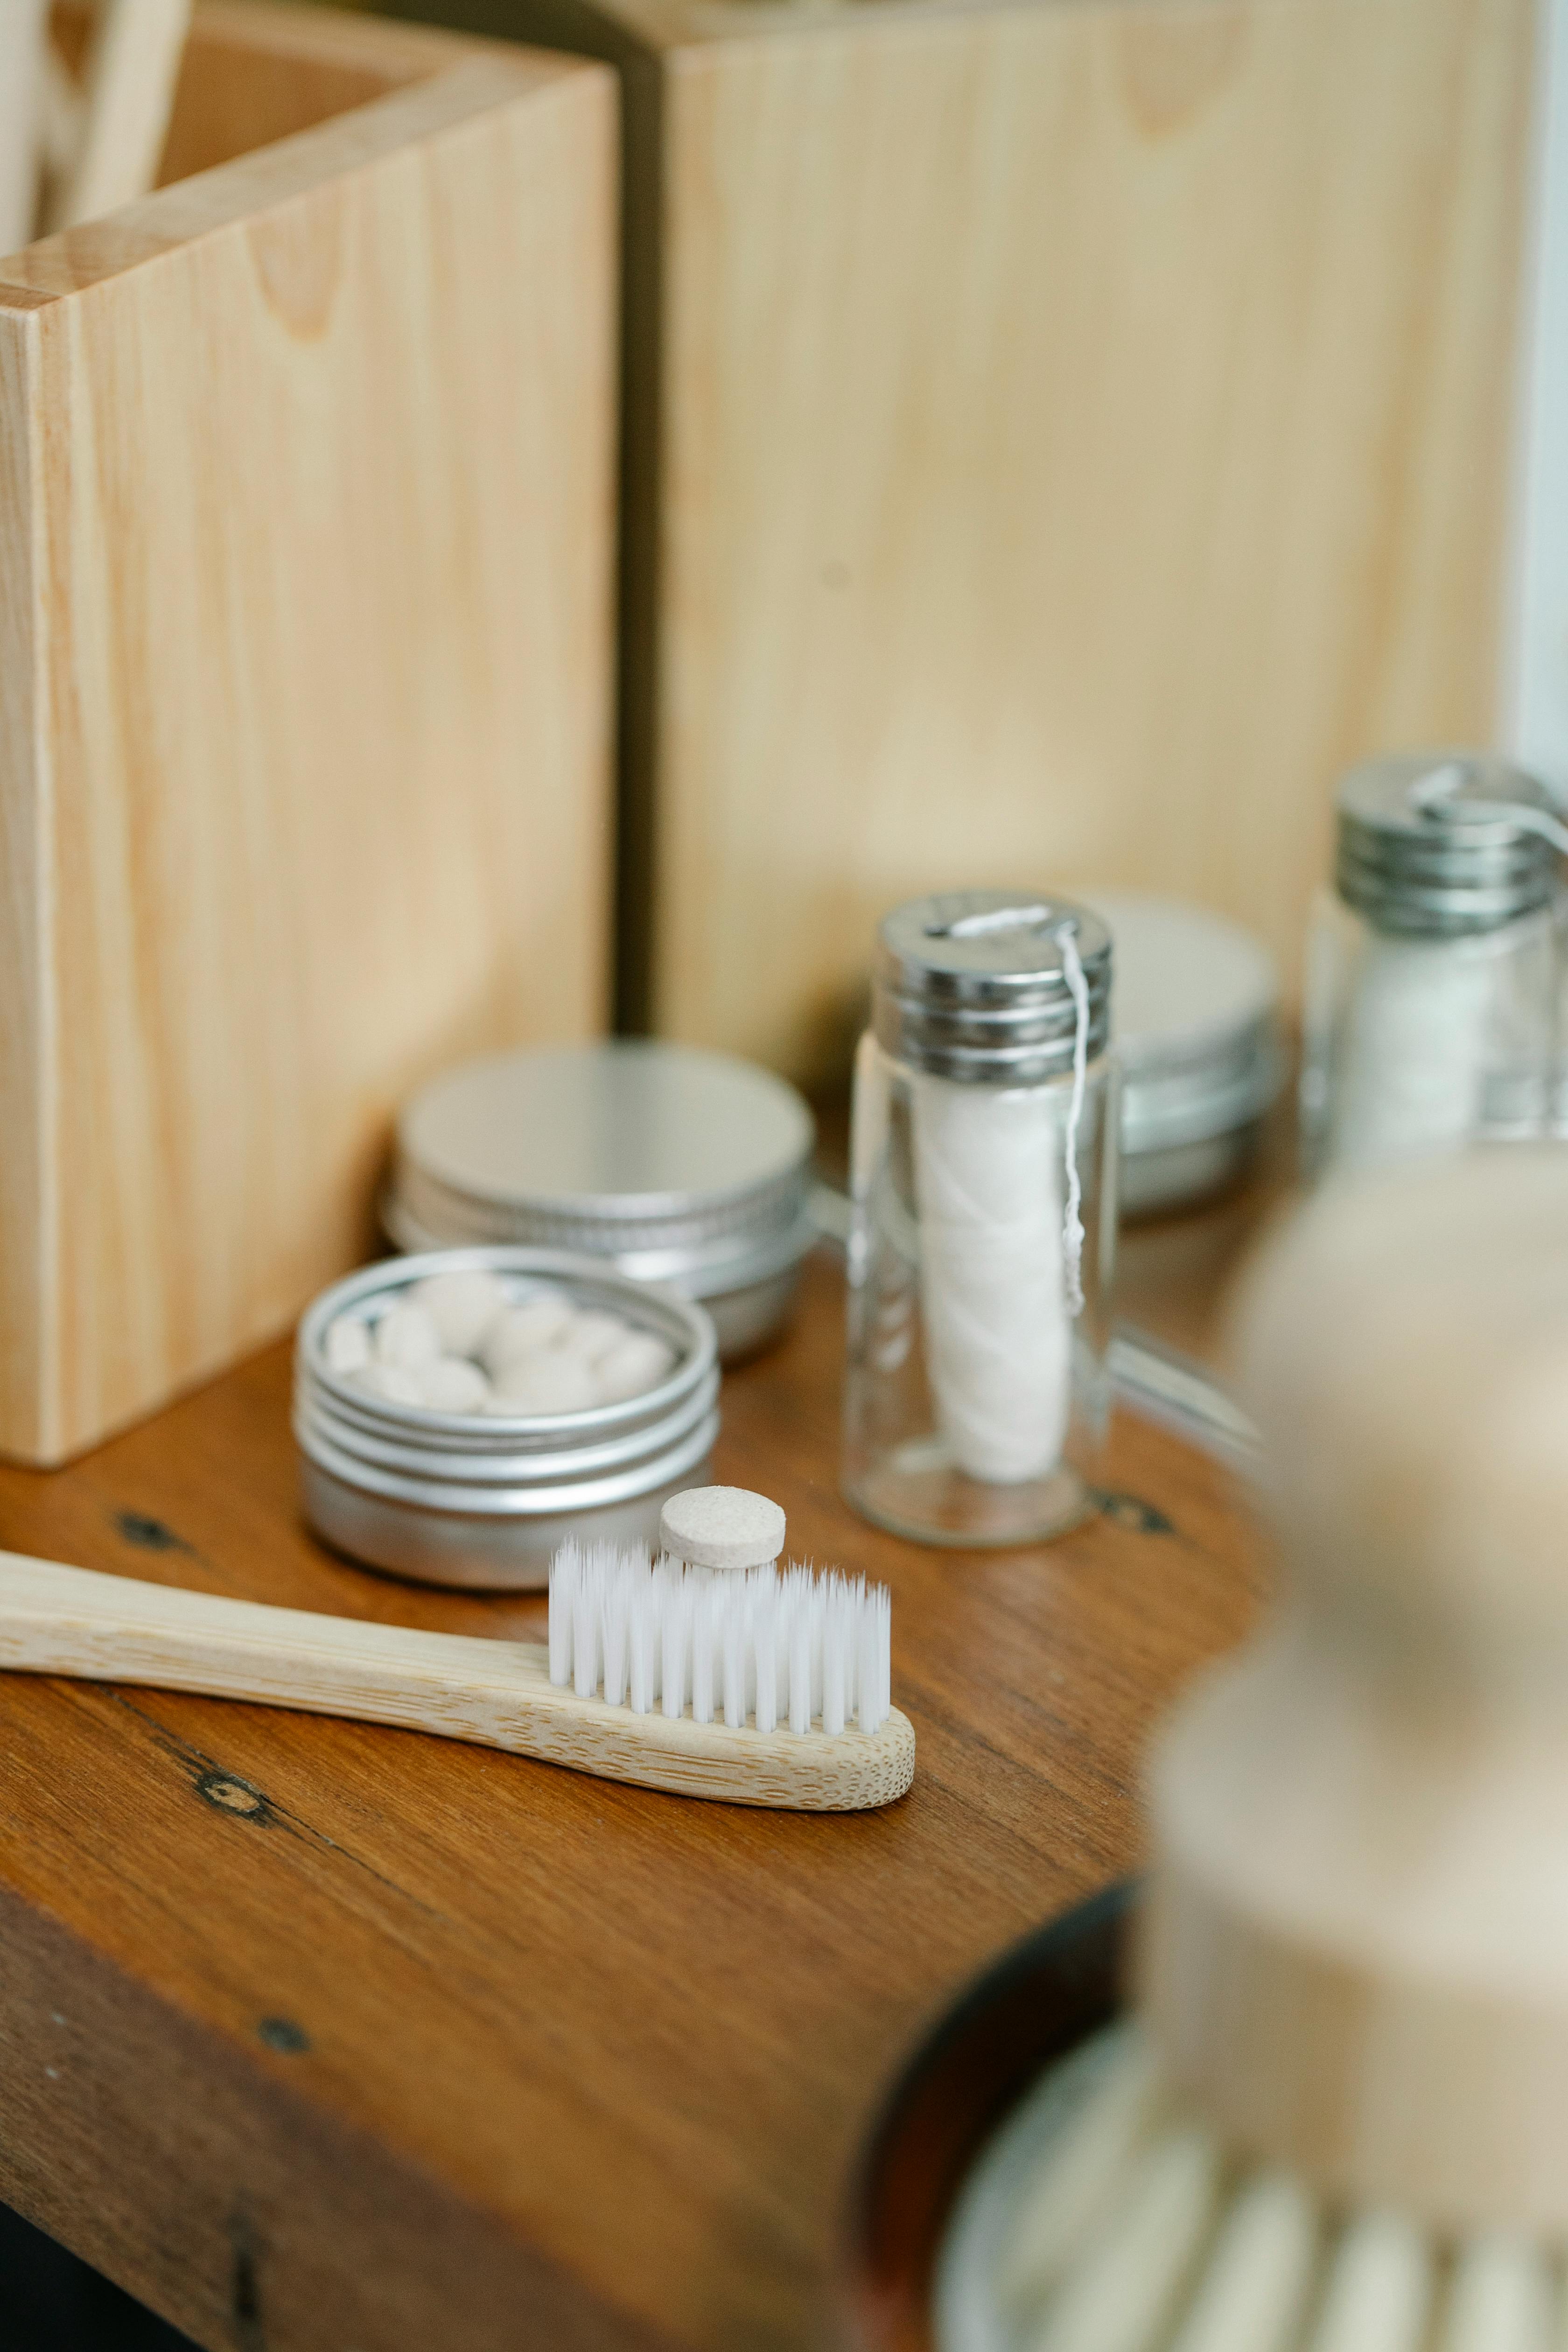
1196	1032
670	1163
485	1500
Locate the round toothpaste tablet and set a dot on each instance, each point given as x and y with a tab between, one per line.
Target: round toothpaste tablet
545	1382
452	1384
521	1330
347	1345
463	1307
722	1528
393	1383
591	1333
407	1336
635	1364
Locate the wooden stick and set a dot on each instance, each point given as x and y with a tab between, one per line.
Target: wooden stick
21	44
62	112
131	69
71	1621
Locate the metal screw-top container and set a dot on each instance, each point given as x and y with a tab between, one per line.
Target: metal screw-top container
973	985
1440	845
1432	1010
983	1219
457	1498
669	1162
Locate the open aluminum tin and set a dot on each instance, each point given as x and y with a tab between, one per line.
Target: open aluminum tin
485	1500
671	1163
1195	1025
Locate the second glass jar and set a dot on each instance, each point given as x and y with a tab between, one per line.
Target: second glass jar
1432	1017
982	1240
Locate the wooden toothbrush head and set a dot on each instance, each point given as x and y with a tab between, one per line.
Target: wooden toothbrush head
1354	1953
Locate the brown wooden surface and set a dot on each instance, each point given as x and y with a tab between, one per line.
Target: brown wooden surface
320	2035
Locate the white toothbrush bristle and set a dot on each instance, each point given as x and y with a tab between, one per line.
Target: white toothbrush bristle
799	1655
734	1638
565	1574
764	1651
642	1635
701	1652
834	1645
755	1646
675	1651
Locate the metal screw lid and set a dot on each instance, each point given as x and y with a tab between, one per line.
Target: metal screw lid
972	984
1440	844
681	1164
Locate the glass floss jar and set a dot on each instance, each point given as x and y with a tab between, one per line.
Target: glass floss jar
982	1176
1431	1012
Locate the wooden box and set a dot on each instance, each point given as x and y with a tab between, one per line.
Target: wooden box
306	545
1061	437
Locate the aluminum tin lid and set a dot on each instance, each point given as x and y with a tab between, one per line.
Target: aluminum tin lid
1196	1021
392	1448
973	984
1441	842
597	1491
678	1163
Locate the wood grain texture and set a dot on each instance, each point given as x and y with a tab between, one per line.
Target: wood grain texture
1068	469
56	1619
306	697
385	2040
1070	436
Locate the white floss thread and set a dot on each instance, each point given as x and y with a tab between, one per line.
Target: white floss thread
1001	1261
1072	1234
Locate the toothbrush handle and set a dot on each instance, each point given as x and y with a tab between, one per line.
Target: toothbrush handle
73	1621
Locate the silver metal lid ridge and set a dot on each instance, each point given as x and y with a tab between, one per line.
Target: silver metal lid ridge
1440	843
675	1162
973	985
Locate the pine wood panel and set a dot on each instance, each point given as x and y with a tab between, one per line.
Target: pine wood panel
1062	438
305	681
1085	430
345	2037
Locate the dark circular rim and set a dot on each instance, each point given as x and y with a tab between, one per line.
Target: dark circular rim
1046	1994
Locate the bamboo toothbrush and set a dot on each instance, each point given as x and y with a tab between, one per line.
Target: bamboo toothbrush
1340	2121
788	1676
133	68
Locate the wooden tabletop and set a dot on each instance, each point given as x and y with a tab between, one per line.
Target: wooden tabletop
321	2035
